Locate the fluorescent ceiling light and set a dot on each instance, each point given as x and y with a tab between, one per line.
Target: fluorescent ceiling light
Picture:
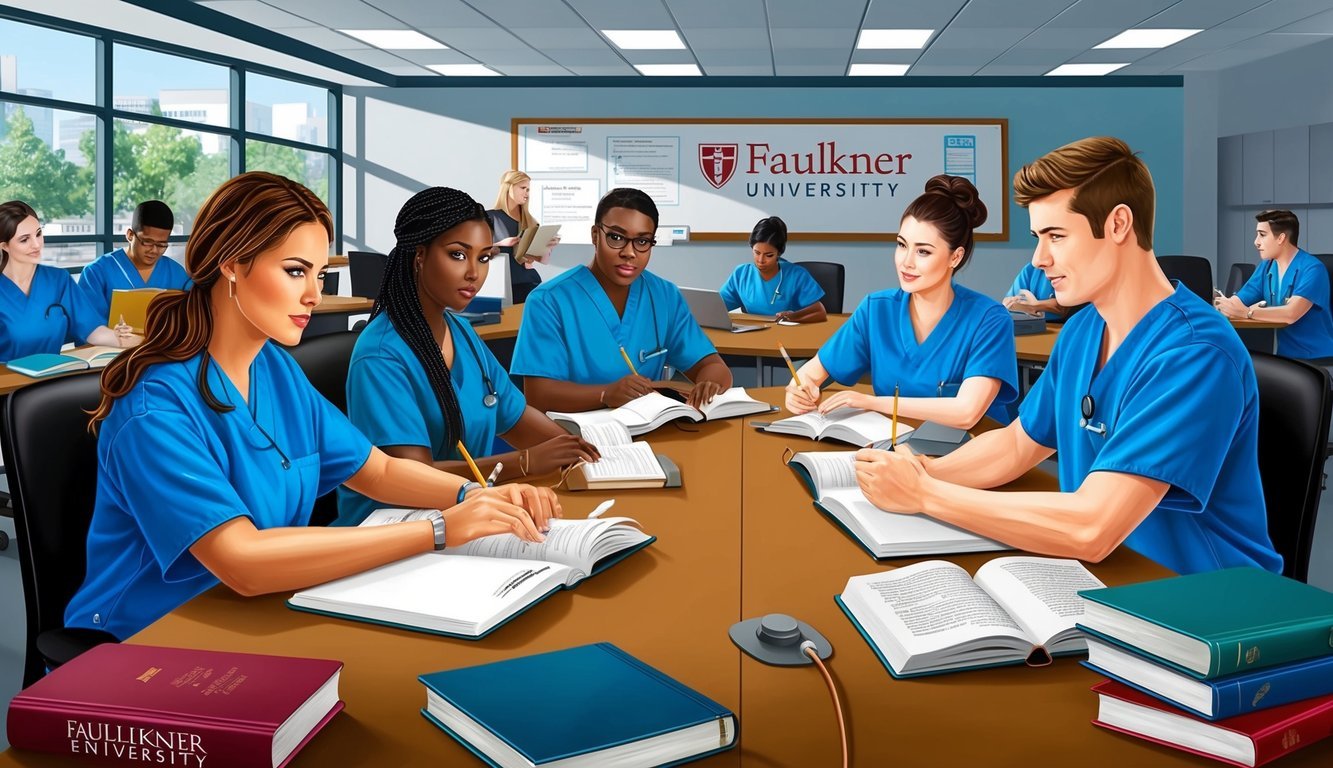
396	39
464	70
645	39
878	70
1148	38
1086	69
893	39
669	70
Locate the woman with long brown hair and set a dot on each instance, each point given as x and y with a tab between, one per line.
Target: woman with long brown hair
241	444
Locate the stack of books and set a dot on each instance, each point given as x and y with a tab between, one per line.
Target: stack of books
1236	665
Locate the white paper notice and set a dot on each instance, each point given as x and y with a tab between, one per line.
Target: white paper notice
571	203
557	157
649	163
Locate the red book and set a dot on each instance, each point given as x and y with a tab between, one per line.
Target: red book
1248	740
143	705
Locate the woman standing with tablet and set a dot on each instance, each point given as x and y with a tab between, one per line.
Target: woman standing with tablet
446	385
509	218
241	443
947	349
773	286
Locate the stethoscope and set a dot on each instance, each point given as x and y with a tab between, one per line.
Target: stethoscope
59	306
1089	407
491	398
777	290
1274	285
660	349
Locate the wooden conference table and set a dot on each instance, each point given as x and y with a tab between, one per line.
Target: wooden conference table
739	540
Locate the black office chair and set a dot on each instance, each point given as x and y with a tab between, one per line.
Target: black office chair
330	284
1238	276
1194	272
1294	409
367	272
52	467
325	360
831	276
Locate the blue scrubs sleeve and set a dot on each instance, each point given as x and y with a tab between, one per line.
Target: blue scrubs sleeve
541	349
1018	283
806	290
384	420
343	450
1175	424
94	288
1253	290
1036	413
82	314
731	290
1312	285
686	341
846	356
993	354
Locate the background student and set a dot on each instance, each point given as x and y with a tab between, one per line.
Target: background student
420	379
948	349
241	443
773	286
1149	397
1289	287
600	335
41	308
509	218
139	264
1032	293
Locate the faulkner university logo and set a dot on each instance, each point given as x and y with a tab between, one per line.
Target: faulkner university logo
717	162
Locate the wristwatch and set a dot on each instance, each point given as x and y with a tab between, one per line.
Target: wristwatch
436	519
1249	313
466	489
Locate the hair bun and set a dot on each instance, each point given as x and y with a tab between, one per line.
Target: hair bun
963	194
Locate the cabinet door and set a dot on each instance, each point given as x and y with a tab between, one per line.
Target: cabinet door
1257	168
1229	170
1291	166
1317	231
1235	241
1321	164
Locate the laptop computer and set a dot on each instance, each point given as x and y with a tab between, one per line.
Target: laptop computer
710	312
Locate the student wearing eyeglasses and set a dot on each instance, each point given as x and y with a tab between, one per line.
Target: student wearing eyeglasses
948	350
1149	397
1290	286
447	385
601	335
139	264
773	286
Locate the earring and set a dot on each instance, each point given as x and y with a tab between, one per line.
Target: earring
231	287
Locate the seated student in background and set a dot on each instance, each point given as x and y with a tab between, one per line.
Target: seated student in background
948	349
509	218
241	443
1032	293
420	379
1148	396
1289	287
773	286
599	336
41	308
139	264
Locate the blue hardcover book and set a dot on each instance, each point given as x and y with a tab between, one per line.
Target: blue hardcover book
40	366
1221	697
593	705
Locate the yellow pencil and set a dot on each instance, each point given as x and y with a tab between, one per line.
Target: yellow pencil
893	439
794	376
471	464
628	361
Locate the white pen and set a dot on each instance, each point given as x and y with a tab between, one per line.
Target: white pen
499	465
601	508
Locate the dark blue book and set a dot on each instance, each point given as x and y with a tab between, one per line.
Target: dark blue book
1219	698
592	705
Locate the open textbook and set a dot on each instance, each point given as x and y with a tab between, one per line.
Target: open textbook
534	243
831	478
931	617
470	590
624	463
48	364
848	425
644	414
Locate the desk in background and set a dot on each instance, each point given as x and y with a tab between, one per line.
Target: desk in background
333	312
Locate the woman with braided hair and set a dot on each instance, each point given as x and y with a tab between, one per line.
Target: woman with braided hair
241	443
420	379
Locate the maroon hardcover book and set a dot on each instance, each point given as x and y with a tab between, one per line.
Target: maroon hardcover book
1247	740
140	705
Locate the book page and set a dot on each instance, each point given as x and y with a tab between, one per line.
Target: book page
644	410
569	542
605	434
95	356
859	427
734	402
890	534
634	461
1041	593
806	425
832	470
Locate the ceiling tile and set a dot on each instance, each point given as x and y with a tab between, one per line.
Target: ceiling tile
257	13
348	14
323	37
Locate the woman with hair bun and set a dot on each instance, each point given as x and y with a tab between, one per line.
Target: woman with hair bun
948	350
772	285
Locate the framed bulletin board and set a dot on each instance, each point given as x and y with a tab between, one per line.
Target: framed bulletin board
829	179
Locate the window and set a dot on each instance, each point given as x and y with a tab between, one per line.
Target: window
48	160
178	166
287	110
46	63
171	86
309	168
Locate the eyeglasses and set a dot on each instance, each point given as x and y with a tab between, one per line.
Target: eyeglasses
616	241
152	245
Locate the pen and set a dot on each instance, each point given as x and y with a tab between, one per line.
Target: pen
495	473
601	508
628	361
462	449
794	376
893	439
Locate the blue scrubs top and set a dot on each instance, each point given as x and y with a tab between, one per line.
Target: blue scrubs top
791	289
170	469
974	338
114	271
1310	337
1035	280
51	314
382	363
571	331
1180	405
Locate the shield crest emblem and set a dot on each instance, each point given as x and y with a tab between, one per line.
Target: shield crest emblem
717	162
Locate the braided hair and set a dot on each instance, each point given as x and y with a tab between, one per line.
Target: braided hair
424	217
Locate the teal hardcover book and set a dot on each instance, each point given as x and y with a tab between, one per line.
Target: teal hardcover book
1217	623
592	705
